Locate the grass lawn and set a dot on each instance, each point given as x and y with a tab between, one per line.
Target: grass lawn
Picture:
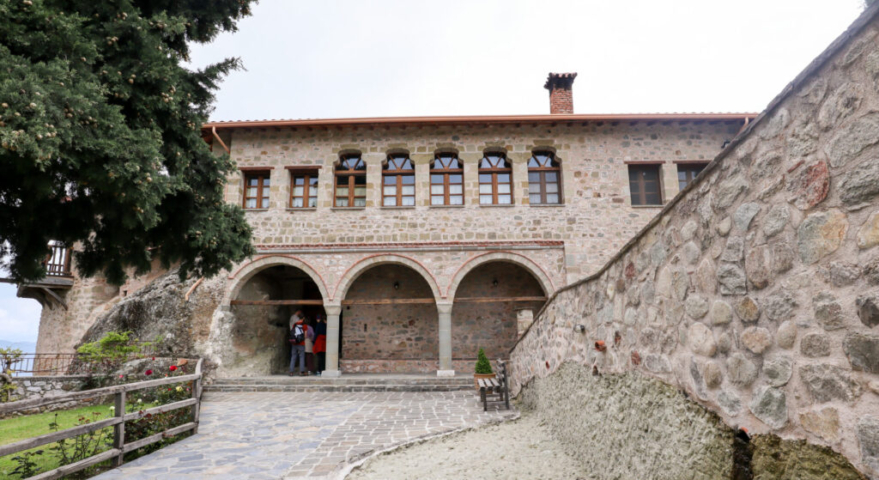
21	428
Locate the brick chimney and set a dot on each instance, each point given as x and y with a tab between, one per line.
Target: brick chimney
561	98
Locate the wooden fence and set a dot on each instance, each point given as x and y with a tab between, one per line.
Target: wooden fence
120	447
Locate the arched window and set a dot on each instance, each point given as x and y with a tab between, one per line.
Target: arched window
350	188
544	184
495	180
446	180
398	182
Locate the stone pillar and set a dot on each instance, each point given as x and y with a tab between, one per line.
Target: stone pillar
445	340
332	367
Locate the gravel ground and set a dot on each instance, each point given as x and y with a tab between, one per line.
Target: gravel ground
520	449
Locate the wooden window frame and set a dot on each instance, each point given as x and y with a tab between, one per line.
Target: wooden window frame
399	173
446	173
494	171
542	172
349	180
688	168
641	191
261	175
306	190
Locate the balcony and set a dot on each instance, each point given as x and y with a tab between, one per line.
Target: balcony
50	290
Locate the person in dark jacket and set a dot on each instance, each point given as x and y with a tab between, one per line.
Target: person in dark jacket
320	342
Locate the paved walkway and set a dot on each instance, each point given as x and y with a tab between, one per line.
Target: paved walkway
302	435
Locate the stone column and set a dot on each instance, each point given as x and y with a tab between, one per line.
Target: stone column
445	340
332	367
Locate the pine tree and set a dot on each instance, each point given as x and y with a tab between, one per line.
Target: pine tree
482	363
100	129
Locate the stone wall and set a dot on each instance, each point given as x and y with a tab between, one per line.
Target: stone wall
39	387
492	326
595	220
389	332
756	291
629	425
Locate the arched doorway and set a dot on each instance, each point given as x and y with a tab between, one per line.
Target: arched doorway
388	321
489	301
262	305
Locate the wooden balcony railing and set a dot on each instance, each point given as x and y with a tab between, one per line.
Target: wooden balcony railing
58	262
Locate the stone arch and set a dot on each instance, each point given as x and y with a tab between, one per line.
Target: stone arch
240	277
508	257
375	260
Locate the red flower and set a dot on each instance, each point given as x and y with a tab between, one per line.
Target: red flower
149	372
173	367
154	358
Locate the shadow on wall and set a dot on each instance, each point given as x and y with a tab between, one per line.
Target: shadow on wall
632	426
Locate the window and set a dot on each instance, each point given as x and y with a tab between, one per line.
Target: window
398	182
543	179
446	180
256	190
350	188
644	184
495	180
688	172
303	190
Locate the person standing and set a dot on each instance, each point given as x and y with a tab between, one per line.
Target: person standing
320	342
298	333
309	347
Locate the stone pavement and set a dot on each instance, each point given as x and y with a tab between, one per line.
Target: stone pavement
272	435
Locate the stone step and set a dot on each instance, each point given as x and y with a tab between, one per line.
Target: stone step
349	383
448	387
338	381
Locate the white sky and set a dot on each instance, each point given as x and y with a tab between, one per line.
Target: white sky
354	58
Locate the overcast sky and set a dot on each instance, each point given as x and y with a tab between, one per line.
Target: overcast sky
355	58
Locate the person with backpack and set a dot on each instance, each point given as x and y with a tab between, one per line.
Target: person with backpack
298	331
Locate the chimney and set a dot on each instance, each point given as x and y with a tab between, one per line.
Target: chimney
561	98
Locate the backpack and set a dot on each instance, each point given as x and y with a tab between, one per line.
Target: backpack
297	335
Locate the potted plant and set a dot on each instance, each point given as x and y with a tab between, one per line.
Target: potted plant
483	368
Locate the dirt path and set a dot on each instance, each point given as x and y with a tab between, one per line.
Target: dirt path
520	449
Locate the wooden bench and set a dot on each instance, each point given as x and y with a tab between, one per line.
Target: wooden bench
495	389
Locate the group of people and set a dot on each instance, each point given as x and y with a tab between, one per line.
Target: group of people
308	341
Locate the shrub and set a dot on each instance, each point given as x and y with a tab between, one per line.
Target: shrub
8	358
483	366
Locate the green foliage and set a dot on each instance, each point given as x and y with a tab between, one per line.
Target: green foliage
100	137
8	358
25	465
112	349
72	450
483	366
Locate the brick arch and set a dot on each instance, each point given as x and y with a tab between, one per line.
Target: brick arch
508	257
240	277
383	259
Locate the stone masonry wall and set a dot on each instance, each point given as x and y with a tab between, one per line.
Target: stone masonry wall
756	291
492	326
595	220
31	387
389	332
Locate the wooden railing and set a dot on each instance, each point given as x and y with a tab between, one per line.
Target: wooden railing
58	261
120	447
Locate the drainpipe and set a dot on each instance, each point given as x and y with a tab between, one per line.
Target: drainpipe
217	136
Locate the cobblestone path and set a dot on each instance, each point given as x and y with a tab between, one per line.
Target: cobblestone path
302	435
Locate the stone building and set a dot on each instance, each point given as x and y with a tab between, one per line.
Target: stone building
421	239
